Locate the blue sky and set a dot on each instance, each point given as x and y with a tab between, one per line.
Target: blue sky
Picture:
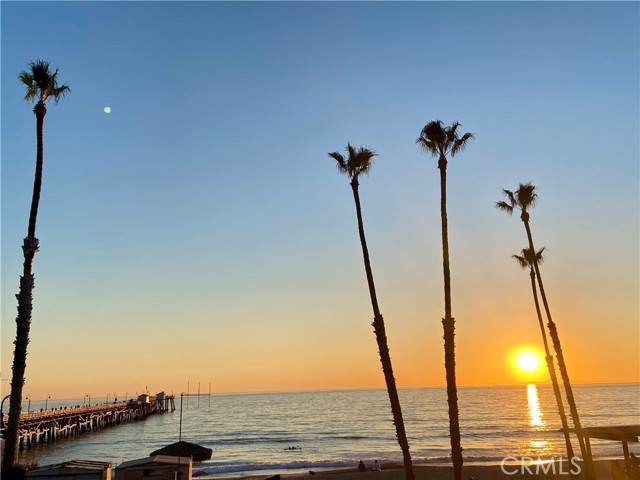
205	203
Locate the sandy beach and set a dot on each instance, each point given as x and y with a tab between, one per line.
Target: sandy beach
443	472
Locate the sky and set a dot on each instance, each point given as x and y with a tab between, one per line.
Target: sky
200	233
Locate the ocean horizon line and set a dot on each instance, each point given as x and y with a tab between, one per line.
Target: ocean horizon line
364	389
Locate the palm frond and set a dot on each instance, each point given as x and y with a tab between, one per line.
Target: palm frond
461	143
530	259
352	165
40	69
32	90
511	196
363	160
358	162
60	92
433	138
539	255
351	150
526	195
452	136
428	145
435	132
522	261
41	83
505	207
441	140
26	78
342	166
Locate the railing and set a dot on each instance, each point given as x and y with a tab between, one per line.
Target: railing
64	422
28	417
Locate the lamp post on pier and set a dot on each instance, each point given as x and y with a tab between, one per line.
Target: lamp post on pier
107	399
46	401
180	434
28	397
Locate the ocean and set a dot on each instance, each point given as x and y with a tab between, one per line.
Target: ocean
251	433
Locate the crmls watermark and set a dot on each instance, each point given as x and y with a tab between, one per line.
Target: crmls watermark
537	466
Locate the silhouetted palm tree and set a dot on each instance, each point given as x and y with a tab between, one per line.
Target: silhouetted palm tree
523	199
359	162
41	84
441	141
527	260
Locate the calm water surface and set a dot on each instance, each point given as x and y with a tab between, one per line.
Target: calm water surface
250	433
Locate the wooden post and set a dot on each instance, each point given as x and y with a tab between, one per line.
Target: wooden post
627	458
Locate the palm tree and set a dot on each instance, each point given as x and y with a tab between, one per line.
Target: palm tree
523	199
41	85
359	162
527	260
441	141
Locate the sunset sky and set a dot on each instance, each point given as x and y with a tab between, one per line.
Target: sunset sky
199	232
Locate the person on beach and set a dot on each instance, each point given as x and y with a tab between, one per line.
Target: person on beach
361	467
376	466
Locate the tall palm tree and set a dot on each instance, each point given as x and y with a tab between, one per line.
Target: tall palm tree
41	85
527	260
523	199
359	162
442	141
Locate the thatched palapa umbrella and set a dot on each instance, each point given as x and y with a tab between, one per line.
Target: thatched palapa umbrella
185	449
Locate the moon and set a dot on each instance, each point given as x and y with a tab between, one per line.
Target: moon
107	109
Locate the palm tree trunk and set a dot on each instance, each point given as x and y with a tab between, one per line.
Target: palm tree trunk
381	338
552	371
448	324
25	305
40	111
555	339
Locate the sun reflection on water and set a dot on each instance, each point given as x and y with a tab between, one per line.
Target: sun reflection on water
535	413
535	416
538	443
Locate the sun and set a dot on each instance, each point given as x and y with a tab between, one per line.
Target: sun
527	363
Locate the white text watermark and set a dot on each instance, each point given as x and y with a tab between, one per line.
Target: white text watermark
537	466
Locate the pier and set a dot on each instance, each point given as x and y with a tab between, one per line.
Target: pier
51	425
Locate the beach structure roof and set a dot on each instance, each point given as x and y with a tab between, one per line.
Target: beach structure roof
619	433
622	433
155	459
73	469
186	449
160	467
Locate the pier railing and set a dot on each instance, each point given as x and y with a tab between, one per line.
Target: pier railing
52	424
